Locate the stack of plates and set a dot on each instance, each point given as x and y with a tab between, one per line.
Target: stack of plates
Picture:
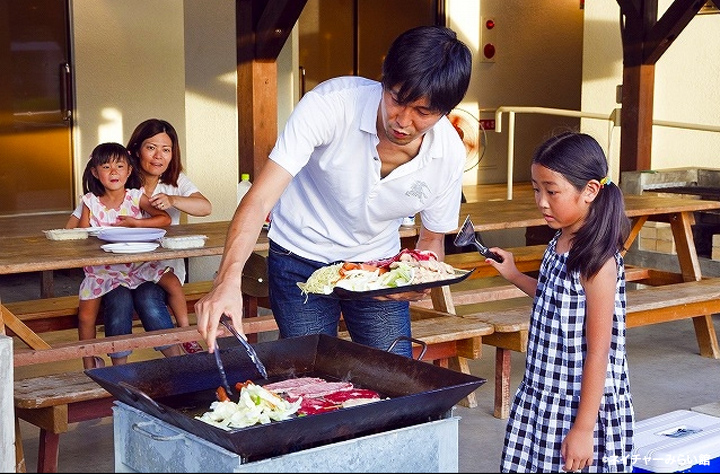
130	247
130	234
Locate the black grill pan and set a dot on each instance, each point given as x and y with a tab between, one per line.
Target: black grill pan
178	388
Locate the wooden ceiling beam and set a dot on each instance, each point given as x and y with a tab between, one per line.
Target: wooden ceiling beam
668	27
645	39
263	27
274	27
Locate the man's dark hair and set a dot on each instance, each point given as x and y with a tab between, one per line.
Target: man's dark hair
428	61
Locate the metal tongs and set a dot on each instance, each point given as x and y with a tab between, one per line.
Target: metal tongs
227	322
468	236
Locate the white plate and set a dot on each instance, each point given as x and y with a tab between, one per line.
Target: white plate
130	247
94	231
131	234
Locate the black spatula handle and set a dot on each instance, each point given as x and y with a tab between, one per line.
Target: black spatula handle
485	252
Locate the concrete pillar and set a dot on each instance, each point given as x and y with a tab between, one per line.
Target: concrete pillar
7	408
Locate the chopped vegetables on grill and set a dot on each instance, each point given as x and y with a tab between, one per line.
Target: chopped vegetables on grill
283	400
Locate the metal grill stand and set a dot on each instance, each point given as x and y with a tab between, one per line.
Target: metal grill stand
144	443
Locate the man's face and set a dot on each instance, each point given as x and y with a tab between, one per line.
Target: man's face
402	124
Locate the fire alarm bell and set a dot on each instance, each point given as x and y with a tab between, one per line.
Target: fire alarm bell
489	51
488	42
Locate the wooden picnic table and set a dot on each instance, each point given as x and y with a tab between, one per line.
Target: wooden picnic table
679	212
28	253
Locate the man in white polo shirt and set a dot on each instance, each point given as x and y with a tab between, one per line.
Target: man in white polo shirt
355	157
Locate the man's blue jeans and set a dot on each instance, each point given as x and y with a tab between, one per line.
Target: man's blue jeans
147	299
369	322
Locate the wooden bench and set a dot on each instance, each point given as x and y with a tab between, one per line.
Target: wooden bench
59	313
648	305
52	402
450	340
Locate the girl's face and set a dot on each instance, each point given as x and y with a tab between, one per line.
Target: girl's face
114	174
561	204
402	124
155	154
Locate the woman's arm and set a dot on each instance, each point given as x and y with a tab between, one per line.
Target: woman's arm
195	204
577	447
157	217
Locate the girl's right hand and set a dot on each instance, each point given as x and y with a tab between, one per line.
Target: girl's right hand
507	267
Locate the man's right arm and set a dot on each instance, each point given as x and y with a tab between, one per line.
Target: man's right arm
245	227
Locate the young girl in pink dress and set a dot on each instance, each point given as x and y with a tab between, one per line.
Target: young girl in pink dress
114	197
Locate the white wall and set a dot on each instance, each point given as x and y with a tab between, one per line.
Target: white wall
167	59
538	63
138	59
685	86
7	407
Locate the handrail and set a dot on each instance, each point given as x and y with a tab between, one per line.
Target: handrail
613	118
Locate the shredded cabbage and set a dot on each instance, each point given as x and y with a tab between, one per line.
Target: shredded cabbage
256	405
322	280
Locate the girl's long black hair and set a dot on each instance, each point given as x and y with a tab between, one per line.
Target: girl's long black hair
579	158
106	153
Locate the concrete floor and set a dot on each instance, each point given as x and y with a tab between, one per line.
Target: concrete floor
666	374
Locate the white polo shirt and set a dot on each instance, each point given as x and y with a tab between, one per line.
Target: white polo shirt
337	207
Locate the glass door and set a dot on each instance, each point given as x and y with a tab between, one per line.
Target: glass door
35	108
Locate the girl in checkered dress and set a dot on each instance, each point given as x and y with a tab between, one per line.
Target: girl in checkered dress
573	409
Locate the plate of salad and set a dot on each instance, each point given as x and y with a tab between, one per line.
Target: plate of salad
408	271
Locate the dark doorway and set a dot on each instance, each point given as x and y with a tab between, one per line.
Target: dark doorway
351	37
35	107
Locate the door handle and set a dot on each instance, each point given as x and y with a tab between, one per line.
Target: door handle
65	92
302	81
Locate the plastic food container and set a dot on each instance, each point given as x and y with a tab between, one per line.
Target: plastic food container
184	242
67	234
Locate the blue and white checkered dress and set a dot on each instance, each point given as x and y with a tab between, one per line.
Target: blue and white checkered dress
546	402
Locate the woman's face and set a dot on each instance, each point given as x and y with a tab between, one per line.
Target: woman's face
155	154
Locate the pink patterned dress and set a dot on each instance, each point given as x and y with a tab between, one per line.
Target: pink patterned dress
101	279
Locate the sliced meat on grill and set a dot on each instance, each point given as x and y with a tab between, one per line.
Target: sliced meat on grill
291	383
319	389
355	393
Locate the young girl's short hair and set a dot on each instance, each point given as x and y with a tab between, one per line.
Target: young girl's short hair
109	152
580	158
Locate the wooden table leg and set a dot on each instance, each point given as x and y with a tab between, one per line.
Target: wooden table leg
681	224
48	451
47	284
20	465
502	383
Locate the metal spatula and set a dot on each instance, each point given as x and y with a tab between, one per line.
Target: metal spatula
467	236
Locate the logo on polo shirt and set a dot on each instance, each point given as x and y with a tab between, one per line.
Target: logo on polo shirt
420	190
